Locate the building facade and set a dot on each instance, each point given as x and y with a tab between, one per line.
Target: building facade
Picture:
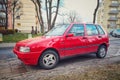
109	14
2	15
25	18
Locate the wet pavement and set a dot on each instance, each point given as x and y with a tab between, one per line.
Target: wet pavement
13	66
6	53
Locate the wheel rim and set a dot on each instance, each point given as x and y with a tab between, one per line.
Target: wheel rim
49	60
102	52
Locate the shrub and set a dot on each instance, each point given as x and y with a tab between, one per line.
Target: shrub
7	31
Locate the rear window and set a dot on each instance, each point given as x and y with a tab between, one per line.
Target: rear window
100	30
118	30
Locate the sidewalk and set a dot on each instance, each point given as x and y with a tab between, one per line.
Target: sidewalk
3	45
113	38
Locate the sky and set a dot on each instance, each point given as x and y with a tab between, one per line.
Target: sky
85	8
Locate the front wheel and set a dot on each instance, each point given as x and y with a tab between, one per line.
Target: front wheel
48	59
102	51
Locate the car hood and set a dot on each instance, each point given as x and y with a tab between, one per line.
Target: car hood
43	39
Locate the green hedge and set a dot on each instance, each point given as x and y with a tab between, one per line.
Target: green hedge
17	37
7	31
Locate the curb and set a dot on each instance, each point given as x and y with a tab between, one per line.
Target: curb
4	45
112	38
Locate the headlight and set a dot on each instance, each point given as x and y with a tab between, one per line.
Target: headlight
24	49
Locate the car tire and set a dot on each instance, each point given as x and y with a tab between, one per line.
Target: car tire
48	59
115	35
102	51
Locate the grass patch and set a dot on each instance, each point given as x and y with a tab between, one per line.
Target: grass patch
110	72
17	37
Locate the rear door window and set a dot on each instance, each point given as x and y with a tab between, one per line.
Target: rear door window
91	30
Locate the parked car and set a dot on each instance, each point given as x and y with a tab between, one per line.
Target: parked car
116	33
111	31
63	41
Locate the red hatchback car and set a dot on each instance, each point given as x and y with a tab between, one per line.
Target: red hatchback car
62	41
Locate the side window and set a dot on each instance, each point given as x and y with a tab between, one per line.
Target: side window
100	30
77	30
91	30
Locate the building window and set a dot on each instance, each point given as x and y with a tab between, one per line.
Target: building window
17	17
18	24
113	16
113	8
112	22
114	1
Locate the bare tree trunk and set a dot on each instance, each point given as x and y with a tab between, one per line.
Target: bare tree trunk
36	11
5	2
6	24
13	14
72	16
46	6
12	9
54	19
50	19
94	17
37	4
47	13
14	5
41	19
49	9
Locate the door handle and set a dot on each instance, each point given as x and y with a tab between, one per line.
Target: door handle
100	36
84	37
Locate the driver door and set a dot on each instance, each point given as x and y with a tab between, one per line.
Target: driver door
75	44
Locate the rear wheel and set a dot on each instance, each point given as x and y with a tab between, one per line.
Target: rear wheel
102	51
48	59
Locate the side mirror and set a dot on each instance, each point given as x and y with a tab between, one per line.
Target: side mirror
70	35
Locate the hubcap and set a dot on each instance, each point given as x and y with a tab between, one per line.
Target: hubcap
49	60
102	52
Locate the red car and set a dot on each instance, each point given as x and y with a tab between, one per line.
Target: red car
63	41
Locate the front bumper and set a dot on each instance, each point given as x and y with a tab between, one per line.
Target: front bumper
30	58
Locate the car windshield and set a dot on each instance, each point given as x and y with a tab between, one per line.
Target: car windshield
57	30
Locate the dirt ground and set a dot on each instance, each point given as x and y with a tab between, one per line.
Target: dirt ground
65	67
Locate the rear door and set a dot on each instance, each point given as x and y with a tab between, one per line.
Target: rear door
102	37
93	38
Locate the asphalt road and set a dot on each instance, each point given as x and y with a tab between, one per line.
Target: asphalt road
6	53
115	42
